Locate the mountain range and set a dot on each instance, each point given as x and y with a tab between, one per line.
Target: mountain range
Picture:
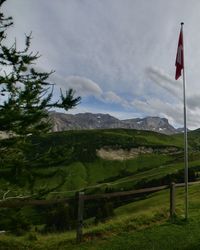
62	122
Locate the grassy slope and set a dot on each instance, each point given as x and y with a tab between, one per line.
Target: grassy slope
69	165
70	162
139	225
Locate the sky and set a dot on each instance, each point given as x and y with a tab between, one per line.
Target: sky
118	55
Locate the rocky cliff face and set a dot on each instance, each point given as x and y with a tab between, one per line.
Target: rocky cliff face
63	122
83	121
156	124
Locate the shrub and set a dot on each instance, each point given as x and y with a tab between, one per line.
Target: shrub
59	218
105	210
14	221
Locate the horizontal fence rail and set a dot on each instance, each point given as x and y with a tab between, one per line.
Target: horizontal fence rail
80	197
189	183
20	201
11	203
124	193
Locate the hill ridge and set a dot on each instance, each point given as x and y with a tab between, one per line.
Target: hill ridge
63	122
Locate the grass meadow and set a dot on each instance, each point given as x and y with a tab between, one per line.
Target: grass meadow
143	224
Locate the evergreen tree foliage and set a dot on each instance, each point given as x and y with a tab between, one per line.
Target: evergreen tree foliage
26	94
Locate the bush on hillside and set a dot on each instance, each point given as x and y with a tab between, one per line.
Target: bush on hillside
60	218
14	221
105	210
177	177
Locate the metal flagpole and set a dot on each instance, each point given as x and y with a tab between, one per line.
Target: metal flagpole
185	136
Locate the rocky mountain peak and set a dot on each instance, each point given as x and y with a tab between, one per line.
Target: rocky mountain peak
63	122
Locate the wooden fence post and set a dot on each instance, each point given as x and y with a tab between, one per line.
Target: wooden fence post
172	199
80	207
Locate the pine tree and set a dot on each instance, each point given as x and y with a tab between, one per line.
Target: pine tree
26	96
26	93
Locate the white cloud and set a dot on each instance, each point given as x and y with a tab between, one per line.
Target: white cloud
165	81
193	102
82	85
127	48
156	107
173	112
92	109
111	97
174	87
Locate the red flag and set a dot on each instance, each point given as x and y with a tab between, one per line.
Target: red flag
179	56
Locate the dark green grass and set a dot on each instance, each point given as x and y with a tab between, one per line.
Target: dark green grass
79	175
98	175
140	225
166	237
67	162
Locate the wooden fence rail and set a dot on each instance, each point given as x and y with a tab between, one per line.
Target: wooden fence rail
12	203
124	193
80	197
189	183
172	200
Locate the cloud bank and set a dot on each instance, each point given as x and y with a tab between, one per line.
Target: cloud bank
121	52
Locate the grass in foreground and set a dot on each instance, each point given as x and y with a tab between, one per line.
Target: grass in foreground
140	225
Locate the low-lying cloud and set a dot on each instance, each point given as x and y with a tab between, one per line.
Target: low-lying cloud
83	86
174	111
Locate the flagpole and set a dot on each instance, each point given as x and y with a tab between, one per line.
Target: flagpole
185	135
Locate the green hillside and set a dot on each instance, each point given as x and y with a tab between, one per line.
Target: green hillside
68	161
93	161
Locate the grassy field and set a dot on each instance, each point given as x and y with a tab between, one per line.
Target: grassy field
139	225
67	162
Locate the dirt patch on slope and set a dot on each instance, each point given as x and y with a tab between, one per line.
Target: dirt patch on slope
122	154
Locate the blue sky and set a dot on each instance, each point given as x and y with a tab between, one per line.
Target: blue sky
119	55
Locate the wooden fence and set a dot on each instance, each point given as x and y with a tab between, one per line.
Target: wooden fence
80	197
